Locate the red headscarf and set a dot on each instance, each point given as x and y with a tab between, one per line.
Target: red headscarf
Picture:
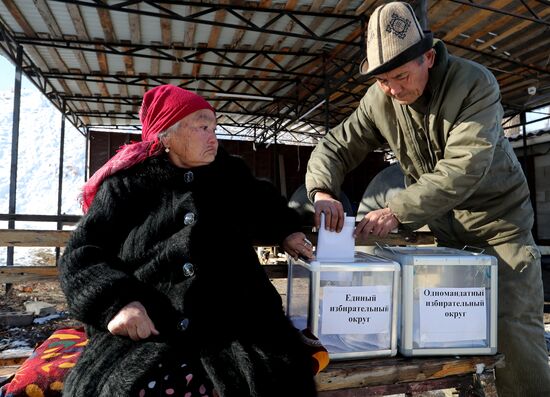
162	107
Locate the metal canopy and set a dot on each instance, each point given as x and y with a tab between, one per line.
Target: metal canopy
276	71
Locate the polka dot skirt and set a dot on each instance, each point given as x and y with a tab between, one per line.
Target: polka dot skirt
176	381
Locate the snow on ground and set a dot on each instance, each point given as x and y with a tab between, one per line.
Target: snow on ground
38	167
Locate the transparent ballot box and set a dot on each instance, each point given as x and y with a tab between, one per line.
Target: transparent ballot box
448	301
350	306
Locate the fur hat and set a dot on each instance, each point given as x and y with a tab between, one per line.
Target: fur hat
394	37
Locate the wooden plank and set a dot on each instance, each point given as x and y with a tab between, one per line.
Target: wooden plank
219	16
19	18
49	19
279	58
22	274
493	26
299	42
33	238
155	62
27	274
487	383
78	21
101	58
10	361
384	371
176	65
107	25
58	64
409	388
510	30
123	92
259	59
58	238
128	59
534	54
166	28
135	24
477	17
135	37
198	57
10	357
453	16
190	28
7	372
235	43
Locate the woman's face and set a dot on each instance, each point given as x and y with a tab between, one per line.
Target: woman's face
193	143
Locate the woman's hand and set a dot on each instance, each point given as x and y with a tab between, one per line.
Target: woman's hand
132	321
297	244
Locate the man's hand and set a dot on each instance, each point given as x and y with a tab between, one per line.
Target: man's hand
333	210
378	223
297	244
132	321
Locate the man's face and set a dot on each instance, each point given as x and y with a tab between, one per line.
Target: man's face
406	83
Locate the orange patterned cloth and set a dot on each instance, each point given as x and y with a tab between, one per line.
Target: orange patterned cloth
43	373
319	354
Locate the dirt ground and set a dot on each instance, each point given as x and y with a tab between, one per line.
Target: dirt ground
33	334
50	292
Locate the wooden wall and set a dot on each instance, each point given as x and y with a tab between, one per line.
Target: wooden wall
284	165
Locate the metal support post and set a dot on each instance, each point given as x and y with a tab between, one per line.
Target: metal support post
14	150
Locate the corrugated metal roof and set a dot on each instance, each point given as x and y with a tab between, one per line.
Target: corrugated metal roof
99	57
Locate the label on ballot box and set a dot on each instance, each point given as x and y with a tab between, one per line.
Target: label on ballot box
460	314
350	306
356	310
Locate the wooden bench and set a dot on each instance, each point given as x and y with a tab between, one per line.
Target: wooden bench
58	238
471	376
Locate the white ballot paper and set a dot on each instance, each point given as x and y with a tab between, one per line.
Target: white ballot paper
336	247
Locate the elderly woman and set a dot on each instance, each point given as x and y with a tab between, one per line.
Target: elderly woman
162	269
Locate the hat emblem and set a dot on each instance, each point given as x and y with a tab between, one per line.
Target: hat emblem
398	26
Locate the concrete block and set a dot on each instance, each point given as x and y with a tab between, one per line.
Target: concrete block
16	319
40	308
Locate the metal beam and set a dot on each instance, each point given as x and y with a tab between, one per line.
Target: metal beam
230	8
65	219
9	44
504	12
194	58
500	58
14	146
131	48
135	80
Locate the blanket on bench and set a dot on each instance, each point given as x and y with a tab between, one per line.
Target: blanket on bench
43	373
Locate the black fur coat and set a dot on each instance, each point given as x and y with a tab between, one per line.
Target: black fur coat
181	243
